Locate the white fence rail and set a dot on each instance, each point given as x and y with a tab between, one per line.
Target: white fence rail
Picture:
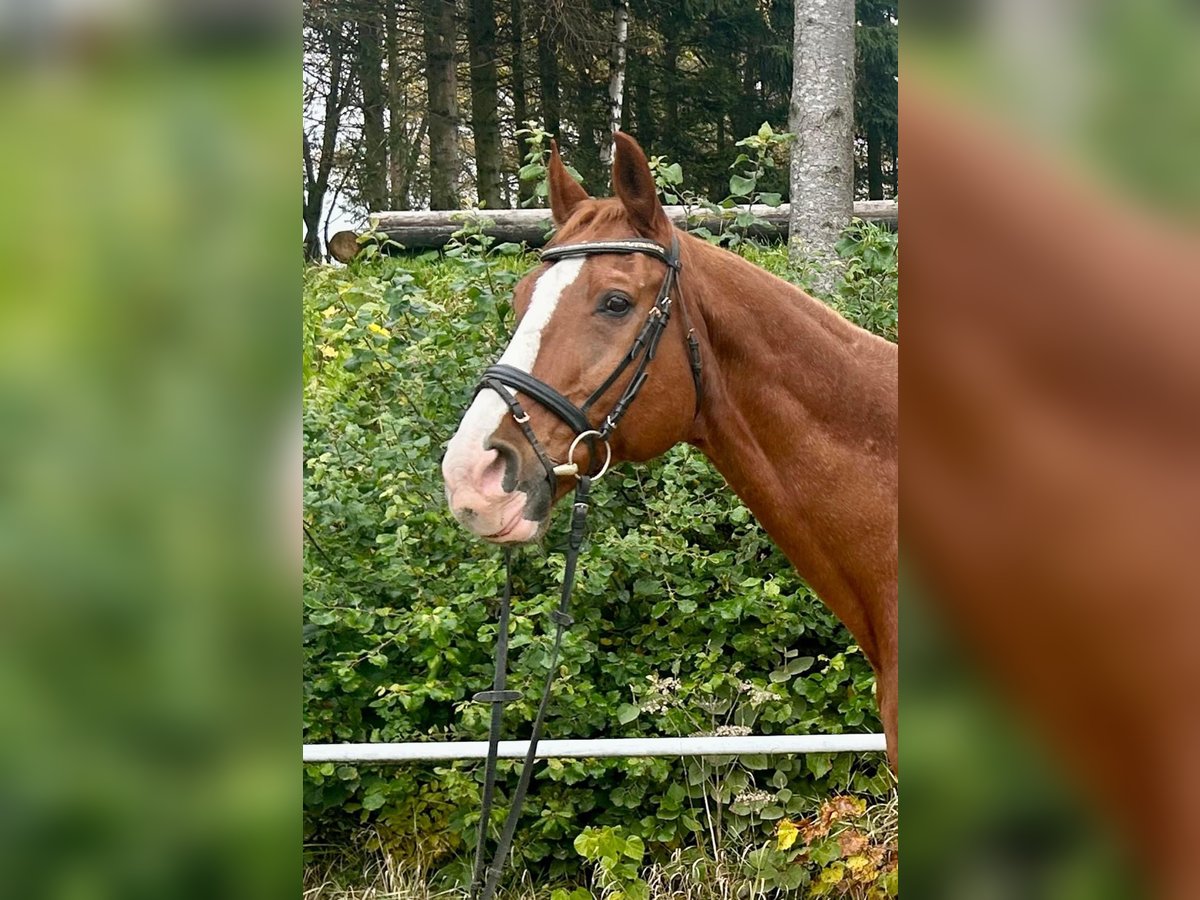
601	747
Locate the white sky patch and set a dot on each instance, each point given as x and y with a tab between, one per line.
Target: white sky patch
485	413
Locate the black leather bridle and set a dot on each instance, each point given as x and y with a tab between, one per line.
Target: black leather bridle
507	381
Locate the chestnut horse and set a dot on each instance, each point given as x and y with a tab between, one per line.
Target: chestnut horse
797	407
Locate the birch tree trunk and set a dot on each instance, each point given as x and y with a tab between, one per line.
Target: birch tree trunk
822	118
616	78
443	103
485	114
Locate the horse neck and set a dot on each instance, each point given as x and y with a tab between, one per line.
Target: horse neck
799	417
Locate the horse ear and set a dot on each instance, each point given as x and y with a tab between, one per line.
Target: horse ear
635	186
565	191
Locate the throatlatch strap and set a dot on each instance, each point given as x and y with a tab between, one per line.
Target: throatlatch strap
563	620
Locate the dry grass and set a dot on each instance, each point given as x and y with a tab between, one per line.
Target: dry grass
686	875
382	876
682	877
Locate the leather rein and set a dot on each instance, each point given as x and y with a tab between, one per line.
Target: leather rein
507	381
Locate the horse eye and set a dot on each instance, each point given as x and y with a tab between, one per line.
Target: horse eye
615	305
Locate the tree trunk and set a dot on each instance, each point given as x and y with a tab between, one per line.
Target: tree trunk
397	107
588	117
373	103
520	103
316	172
548	75
874	163
485	102
616	77
311	213
671	120
330	209
443	103
641	101
414	156
822	118
744	117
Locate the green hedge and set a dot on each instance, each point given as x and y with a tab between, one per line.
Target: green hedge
688	619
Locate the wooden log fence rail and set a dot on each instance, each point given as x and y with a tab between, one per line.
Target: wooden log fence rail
431	229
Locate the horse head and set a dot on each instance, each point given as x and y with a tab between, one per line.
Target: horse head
594	327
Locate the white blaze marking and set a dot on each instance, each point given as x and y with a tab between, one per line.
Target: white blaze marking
484	415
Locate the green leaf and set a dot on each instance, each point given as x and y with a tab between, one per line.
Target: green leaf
647	587
770	199
819	763
373	800
798	665
627	712
585	843
634	848
741	186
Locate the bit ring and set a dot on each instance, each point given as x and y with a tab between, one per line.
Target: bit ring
607	451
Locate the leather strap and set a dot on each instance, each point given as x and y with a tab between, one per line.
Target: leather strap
632	245
562	620
541	392
497	696
522	419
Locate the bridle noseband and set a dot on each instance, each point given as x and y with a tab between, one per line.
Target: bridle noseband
506	381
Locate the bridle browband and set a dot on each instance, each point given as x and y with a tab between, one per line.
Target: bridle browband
507	381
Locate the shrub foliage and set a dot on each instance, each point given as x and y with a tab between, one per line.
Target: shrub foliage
688	619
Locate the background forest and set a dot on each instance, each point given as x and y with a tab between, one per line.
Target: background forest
411	105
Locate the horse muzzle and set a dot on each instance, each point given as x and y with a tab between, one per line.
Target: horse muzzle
489	497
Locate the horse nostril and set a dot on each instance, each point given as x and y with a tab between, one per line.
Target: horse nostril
511	465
